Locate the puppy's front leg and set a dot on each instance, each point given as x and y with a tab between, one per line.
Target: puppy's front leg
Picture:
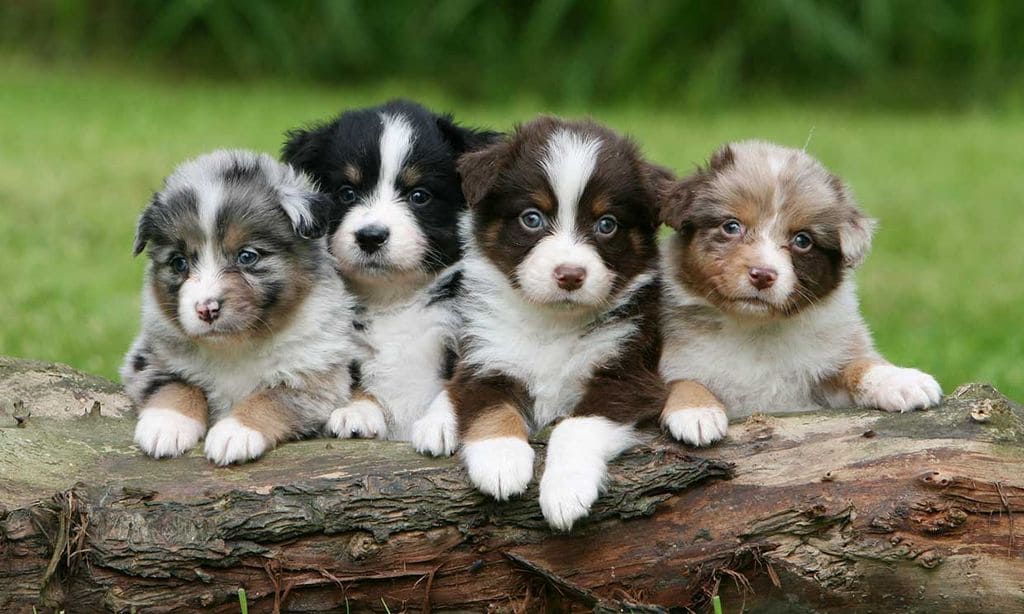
364	416
172	420
693	414
495	447
262	420
873	382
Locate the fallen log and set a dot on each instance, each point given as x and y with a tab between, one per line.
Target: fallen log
854	511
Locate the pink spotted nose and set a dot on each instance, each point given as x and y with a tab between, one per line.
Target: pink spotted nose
208	310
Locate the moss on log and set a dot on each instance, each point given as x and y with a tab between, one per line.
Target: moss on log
830	511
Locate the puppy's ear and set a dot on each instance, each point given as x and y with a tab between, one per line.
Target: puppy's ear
479	169
146	228
678	198
303	147
312	213
855	230
462	139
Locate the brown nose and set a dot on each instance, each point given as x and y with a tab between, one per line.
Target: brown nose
761	278
208	310
570	277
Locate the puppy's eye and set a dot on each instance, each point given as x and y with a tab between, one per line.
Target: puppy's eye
733	228
247	257
347	195
801	242
179	265
419	196
532	220
607	226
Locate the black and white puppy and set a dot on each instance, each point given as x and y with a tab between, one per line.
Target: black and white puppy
560	301
761	310
244	321
391	169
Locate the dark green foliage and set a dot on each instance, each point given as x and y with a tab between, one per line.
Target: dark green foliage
921	52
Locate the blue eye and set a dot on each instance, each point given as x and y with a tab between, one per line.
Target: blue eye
732	228
247	257
607	225
179	264
419	196
531	219
801	242
347	195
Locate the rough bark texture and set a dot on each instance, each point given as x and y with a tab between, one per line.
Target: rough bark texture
854	511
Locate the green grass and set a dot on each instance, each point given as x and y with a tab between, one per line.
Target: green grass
81	150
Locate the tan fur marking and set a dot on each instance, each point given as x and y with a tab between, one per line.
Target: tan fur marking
501	421
600	205
543	201
261	412
410	175
352	173
850	377
685	395
186	400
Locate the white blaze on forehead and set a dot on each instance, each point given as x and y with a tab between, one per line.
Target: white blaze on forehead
395	145
568	163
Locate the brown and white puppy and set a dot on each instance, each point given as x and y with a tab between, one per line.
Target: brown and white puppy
560	306
760	308
244	321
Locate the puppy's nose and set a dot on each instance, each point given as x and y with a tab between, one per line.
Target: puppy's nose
570	277
762	278
371	238
208	310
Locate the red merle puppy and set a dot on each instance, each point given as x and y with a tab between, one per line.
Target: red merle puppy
560	305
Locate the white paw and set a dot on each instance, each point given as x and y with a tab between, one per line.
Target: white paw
699	426
501	467
897	389
164	432
436	433
566	495
229	441
362	418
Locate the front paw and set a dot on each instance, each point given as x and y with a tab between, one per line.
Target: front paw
229	441
163	433
362	418
566	496
501	467
697	426
436	433
897	389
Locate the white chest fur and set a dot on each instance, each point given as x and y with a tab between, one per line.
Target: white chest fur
763	366
552	355
405	347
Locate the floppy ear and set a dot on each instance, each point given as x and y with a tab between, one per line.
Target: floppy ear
677	199
855	230
303	147
462	139
479	169
146	227
312	213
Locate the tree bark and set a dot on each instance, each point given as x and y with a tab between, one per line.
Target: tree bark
852	511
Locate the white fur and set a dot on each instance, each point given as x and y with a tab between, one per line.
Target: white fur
897	389
576	466
318	336
697	426
386	207
164	433
203	284
436	433
229	441
553	353
536	273
360	418
568	163
501	467
757	365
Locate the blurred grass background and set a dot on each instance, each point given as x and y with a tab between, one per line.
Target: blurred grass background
917	103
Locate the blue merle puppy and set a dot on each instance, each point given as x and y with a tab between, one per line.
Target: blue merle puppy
245	324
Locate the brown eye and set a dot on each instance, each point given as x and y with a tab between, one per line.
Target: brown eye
733	228
801	242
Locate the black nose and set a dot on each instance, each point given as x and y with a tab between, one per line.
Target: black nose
371	238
